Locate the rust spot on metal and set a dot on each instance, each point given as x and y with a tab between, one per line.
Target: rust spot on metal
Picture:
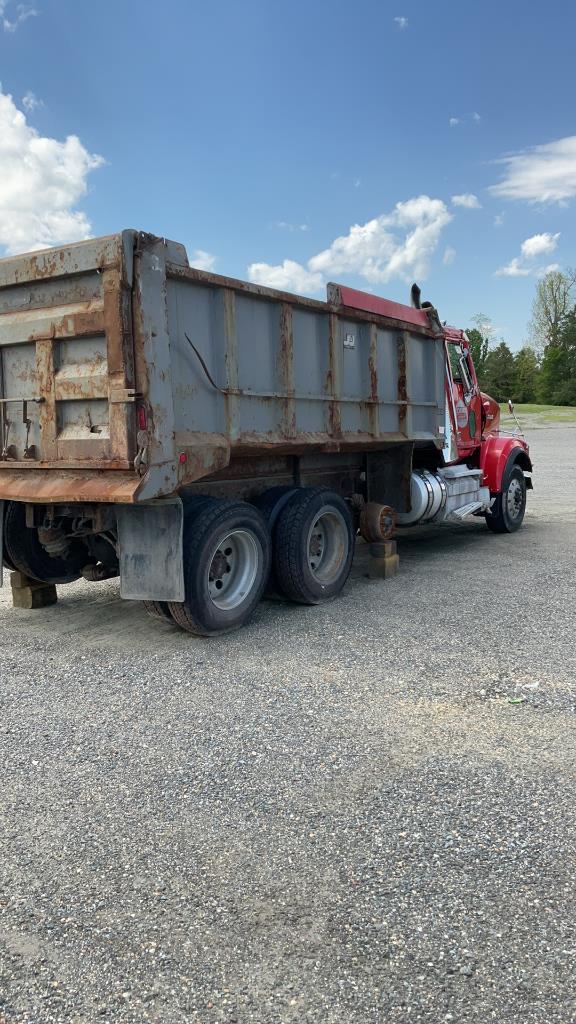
228	298
373	411
48	486
401	385
377	522
334	417
286	370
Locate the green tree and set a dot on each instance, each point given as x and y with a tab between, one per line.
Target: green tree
526	371
479	350
552	303
557	384
500	373
552	374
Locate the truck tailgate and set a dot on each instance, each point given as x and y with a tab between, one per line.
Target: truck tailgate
67	367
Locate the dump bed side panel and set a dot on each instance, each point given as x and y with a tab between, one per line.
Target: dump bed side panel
254	371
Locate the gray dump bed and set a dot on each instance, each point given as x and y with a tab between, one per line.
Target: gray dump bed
126	374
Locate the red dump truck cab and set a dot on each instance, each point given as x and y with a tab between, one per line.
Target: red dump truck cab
473	435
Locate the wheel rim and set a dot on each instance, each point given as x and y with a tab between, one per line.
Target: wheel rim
233	569
514	499
327	545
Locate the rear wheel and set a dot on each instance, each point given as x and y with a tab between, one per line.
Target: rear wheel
6	560
270	504
159	610
313	545
26	553
507	512
226	566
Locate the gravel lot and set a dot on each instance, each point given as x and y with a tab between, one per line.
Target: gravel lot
363	812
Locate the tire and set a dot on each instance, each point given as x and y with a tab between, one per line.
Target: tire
159	610
270	504
6	561
272	501
227	555
313	545
27	555
507	512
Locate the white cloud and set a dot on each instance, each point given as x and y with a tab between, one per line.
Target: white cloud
514	269
544	174
454	121
498	220
287	276
402	23
202	260
400	243
449	255
542	271
41	182
531	248
539	244
30	102
12	15
476	117
467	200
284	225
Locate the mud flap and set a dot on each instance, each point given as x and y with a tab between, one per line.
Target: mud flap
150	551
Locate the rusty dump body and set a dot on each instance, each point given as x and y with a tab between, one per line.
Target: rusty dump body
127	375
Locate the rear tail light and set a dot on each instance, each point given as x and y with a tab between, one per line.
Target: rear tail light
142	418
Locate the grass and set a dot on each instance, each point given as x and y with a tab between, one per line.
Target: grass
544	413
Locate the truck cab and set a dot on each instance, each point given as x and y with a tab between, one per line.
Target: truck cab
473	436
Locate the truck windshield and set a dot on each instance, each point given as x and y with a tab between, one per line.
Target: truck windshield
455	354
460	368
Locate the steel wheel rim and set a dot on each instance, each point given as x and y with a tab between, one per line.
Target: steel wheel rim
232	569
327	545
514	498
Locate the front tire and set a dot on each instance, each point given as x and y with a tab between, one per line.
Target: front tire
226	566
507	512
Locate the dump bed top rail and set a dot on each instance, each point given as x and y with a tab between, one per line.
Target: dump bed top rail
359	305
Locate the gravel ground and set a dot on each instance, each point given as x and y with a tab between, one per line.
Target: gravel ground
362	812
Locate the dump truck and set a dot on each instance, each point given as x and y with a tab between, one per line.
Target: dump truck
204	438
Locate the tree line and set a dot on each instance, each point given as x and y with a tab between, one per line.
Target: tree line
544	370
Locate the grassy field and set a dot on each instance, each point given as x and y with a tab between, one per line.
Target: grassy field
540	413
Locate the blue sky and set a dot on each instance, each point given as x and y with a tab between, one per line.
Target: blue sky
261	133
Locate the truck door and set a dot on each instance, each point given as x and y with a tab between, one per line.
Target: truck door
466	400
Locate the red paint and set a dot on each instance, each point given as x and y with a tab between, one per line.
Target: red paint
491	414
383	307
475	419
494	455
